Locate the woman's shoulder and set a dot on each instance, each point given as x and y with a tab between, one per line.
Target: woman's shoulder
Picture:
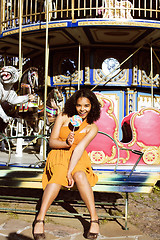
62	115
92	127
63	119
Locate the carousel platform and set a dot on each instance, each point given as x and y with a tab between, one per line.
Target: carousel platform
30	157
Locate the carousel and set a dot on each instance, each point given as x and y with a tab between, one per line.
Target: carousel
109	46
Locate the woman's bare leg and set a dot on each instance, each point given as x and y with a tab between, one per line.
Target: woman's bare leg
50	193
87	196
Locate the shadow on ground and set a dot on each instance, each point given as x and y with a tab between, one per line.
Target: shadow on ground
15	236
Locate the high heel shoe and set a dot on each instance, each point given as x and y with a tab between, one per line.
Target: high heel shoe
38	236
91	235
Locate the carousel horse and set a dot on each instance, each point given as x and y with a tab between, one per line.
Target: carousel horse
32	113
55	96
29	110
8	97
29	80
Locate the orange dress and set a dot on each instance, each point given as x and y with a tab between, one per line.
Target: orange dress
58	160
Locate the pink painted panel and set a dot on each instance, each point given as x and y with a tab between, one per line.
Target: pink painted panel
145	128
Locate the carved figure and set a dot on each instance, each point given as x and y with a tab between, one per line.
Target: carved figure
29	111
8	76
116	9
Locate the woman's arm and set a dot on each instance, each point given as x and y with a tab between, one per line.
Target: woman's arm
54	141
78	151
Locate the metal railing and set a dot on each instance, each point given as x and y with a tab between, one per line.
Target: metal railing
34	11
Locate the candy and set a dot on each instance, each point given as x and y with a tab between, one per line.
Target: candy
76	120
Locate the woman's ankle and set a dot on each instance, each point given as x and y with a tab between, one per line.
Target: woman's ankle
94	217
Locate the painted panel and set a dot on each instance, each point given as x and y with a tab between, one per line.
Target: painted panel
146	137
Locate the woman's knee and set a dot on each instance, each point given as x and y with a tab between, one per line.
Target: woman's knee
79	176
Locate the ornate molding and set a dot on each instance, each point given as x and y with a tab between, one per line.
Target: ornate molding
146	80
145	101
87	76
99	157
135	75
120	79
151	153
66	80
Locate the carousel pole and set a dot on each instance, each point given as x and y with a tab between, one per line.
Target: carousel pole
152	93
79	66
20	39
4	57
46	79
19	123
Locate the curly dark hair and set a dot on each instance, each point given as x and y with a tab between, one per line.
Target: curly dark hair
70	105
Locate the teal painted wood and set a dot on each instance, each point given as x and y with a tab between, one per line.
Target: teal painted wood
123	189
108	181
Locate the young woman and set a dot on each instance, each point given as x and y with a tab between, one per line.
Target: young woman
68	161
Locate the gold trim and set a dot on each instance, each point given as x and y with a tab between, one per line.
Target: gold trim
99	157
32	28
119	22
10	32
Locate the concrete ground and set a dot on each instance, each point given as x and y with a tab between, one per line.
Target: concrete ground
19	227
59	225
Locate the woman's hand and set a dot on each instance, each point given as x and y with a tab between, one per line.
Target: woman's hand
70	180
70	139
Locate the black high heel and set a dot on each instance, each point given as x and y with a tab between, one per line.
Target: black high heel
91	235
38	236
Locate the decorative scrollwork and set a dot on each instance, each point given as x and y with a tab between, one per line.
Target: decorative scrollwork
99	157
151	154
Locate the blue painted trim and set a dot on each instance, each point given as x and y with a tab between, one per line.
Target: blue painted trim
91	67
70	24
148	94
51	81
144	86
100	168
130	72
125	22
125	99
136	101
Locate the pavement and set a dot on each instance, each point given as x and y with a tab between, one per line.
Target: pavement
18	225
15	226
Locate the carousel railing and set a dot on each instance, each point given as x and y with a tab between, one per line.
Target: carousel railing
34	11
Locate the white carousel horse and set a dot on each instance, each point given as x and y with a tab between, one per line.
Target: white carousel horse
8	76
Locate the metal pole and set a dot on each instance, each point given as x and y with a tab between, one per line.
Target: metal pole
20	38
73	11
5	60
126	211
46	78
79	66
19	123
152	99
